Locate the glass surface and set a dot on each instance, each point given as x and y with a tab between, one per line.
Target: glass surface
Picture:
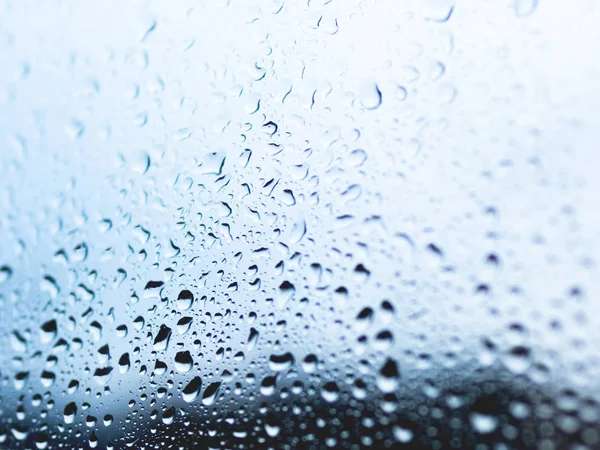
305	224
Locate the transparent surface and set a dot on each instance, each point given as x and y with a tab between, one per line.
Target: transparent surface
312	224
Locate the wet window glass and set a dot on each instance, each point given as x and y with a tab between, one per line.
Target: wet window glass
243	224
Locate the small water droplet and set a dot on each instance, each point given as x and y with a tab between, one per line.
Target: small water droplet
525	8
140	162
370	95
49	285
403	435
439	10
147	24
5	274
483	423
75	129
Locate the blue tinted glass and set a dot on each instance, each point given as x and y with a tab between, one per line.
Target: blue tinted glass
315	224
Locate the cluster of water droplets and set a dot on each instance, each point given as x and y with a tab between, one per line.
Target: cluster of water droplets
324	231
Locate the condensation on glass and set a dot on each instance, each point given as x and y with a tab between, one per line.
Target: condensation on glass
301	224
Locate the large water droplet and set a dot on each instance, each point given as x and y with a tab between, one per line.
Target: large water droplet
183	362
192	389
210	393
69	413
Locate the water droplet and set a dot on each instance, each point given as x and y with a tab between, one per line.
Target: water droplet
518	359
185	300
161	342
140	162
184	324
80	252
297	231
5	274
47	378
439	10
213	163
75	129
124	363
268	386
370	95
253	338
18	342
309	365
357	157
19	432
69	413
525	8
281	362
211	393
49	285
146	25
403	435
484	423
48	331
183	362
388	378
272	430
330	392
364	319
41	441
192	389
102	375
168	416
